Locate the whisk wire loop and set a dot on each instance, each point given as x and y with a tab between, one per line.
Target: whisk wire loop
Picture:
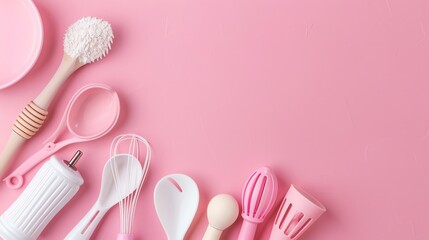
127	206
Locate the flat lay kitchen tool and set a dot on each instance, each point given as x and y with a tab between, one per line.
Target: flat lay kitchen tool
298	211
176	198
21	41
126	166
91	113
222	212
258	197
85	41
51	189
127	206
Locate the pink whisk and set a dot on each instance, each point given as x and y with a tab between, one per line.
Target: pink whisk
258	197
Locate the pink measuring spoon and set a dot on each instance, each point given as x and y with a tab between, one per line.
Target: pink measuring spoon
91	113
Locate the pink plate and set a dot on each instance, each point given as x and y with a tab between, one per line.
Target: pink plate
21	39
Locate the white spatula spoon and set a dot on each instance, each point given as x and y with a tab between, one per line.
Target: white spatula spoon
176	199
126	167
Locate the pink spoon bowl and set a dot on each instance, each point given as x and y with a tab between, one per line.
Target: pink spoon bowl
93	113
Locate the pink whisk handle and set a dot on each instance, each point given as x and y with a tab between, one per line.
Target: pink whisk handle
124	236
248	230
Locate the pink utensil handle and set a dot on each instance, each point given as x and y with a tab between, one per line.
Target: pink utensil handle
248	230
124	236
15	180
12	145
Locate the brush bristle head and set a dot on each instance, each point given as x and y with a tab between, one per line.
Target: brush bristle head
89	39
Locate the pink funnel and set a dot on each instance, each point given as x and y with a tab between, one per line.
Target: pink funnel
298	211
259	195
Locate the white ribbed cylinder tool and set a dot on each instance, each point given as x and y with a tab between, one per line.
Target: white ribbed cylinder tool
52	187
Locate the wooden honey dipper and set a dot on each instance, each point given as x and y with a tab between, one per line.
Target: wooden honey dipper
87	40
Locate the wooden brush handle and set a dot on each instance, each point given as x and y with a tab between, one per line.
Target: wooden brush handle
67	67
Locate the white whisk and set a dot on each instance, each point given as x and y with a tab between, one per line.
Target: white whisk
127	206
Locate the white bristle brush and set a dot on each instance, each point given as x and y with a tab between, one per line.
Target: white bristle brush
85	41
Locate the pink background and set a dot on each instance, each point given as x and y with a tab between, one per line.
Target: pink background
332	95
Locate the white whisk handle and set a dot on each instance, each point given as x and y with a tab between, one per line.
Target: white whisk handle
86	227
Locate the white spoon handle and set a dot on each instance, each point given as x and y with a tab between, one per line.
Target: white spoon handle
86	227
212	233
